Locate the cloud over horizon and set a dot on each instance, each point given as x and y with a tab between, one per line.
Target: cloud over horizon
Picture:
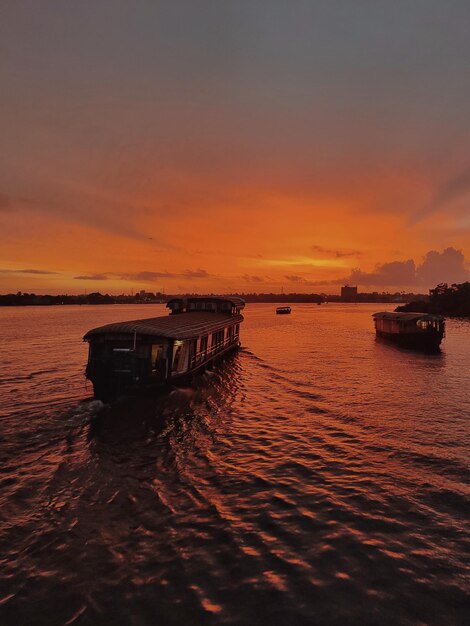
147	276
28	271
253	279
337	254
437	267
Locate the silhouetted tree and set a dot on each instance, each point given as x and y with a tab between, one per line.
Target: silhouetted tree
445	300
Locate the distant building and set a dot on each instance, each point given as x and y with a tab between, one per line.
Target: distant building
348	294
145	296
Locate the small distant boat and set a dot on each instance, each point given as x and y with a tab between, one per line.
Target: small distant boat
283	310
414	330
150	354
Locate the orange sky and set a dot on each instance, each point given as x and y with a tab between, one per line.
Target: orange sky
233	148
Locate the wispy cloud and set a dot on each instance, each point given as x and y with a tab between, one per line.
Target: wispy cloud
199	273
147	276
92	277
28	271
249	278
295	278
337	254
453	189
301	280
301	261
87	205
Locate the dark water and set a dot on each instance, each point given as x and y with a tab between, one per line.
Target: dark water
317	477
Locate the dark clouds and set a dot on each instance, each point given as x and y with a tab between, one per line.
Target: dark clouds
447	266
437	267
394	273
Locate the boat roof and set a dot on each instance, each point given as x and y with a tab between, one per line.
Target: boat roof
182	326
233	300
406	317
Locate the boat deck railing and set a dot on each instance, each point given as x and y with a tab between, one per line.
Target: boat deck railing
206	355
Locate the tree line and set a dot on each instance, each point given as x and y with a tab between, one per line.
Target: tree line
444	299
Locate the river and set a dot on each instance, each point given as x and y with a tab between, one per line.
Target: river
316	477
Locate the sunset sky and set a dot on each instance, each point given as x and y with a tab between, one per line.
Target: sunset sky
195	145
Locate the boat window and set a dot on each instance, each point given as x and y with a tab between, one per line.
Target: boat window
180	356
156	356
218	338
203	344
176	356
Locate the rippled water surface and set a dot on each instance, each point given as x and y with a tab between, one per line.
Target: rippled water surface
316	477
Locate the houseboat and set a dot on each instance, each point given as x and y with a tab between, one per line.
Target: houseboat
415	330
283	310
150	354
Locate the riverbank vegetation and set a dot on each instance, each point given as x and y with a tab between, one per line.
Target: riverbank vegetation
453	300
144	297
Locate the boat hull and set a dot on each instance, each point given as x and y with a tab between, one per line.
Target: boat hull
108	388
420	341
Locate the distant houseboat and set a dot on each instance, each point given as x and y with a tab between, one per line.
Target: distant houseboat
148	354
416	330
283	310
